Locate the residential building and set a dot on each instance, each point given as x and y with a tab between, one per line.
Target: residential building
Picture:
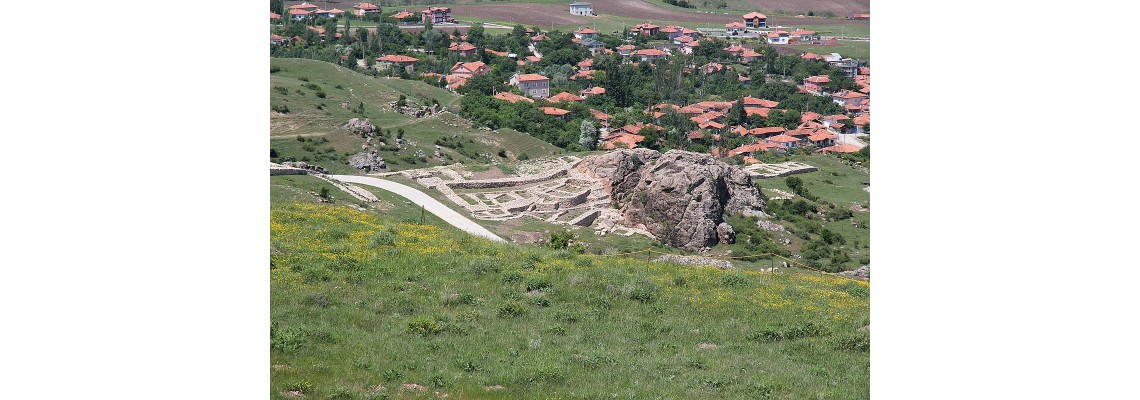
395	60
586	32
403	14
364	8
649	54
817	84
804	35
752	102
860	16
565	97
469	69
582	8
534	85
645	29
463	49
734	28
622	140
593	45
755	20
511	97
848	98
593	91
625	50
436	15
274	16
778	37
557	113
748	56
586	65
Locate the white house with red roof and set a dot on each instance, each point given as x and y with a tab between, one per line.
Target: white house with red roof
398	60
625	50
650	54
847	98
586	33
364	8
735	28
804	35
778	37
403	14
302	11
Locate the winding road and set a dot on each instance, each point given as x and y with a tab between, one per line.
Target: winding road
431	205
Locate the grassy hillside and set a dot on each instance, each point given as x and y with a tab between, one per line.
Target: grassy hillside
298	84
363	303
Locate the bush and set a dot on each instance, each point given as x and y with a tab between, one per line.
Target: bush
643	291
274	69
281	89
537	284
424	326
511	277
560	240
284	109
303	79
523	157
511	309
734	280
321	94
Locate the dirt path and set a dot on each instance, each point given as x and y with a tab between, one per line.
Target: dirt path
431	205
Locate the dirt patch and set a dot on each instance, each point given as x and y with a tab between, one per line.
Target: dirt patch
534	293
707	346
493	388
412	387
293	394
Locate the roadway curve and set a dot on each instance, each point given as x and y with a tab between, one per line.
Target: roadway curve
431	205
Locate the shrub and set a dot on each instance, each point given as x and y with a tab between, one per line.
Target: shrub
281	89
313	87
424	326
560	240
273	153
643	291
523	157
511	309
321	94
284	109
511	277
540	301
391	375
273	69
303	79
537	284
299	386
734	280
383	238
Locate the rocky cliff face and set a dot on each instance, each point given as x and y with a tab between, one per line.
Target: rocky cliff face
680	197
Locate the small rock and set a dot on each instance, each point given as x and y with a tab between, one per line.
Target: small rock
413	387
707	346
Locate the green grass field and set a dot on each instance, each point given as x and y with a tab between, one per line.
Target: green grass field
296	86
363	304
860	50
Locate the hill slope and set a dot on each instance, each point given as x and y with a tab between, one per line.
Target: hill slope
298	84
362	305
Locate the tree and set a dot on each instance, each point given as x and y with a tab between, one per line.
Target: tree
588	135
650	134
278	7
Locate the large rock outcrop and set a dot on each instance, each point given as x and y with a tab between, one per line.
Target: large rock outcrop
680	197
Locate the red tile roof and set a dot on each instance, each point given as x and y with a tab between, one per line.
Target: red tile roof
694	135
564	96
298	11
763	112
766	131
752	101
750	53
366	6
783	139
396	59
734	24
623	139
755	147
596	90
821	135
511	97
532	77
808	116
273	15
402	14
558	112
818	79
753	15
600	115
649	52
585	31
461	46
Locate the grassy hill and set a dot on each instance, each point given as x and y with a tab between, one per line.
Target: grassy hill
366	301
299	84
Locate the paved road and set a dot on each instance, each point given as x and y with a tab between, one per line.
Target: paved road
431	205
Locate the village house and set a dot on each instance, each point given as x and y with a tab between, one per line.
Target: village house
534	85
818	84
785	140
758	147
861	16
810	56
593	91
582	8
436	15
559	113
302	11
755	20
565	97
744	80
821	139
649	54
734	28
274	16
363	9
625	50
388	61
673	31
860	122
586	75
468	70
595	46
586	65
276	39
749	55
621	140
645	29
778	37
402	15
752	102
333	13
847	98
803	35
511	97
463	49
735	50
603	118
586	32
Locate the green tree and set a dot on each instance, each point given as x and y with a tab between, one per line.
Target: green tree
587	135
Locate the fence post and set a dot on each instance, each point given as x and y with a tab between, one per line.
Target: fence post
421	214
